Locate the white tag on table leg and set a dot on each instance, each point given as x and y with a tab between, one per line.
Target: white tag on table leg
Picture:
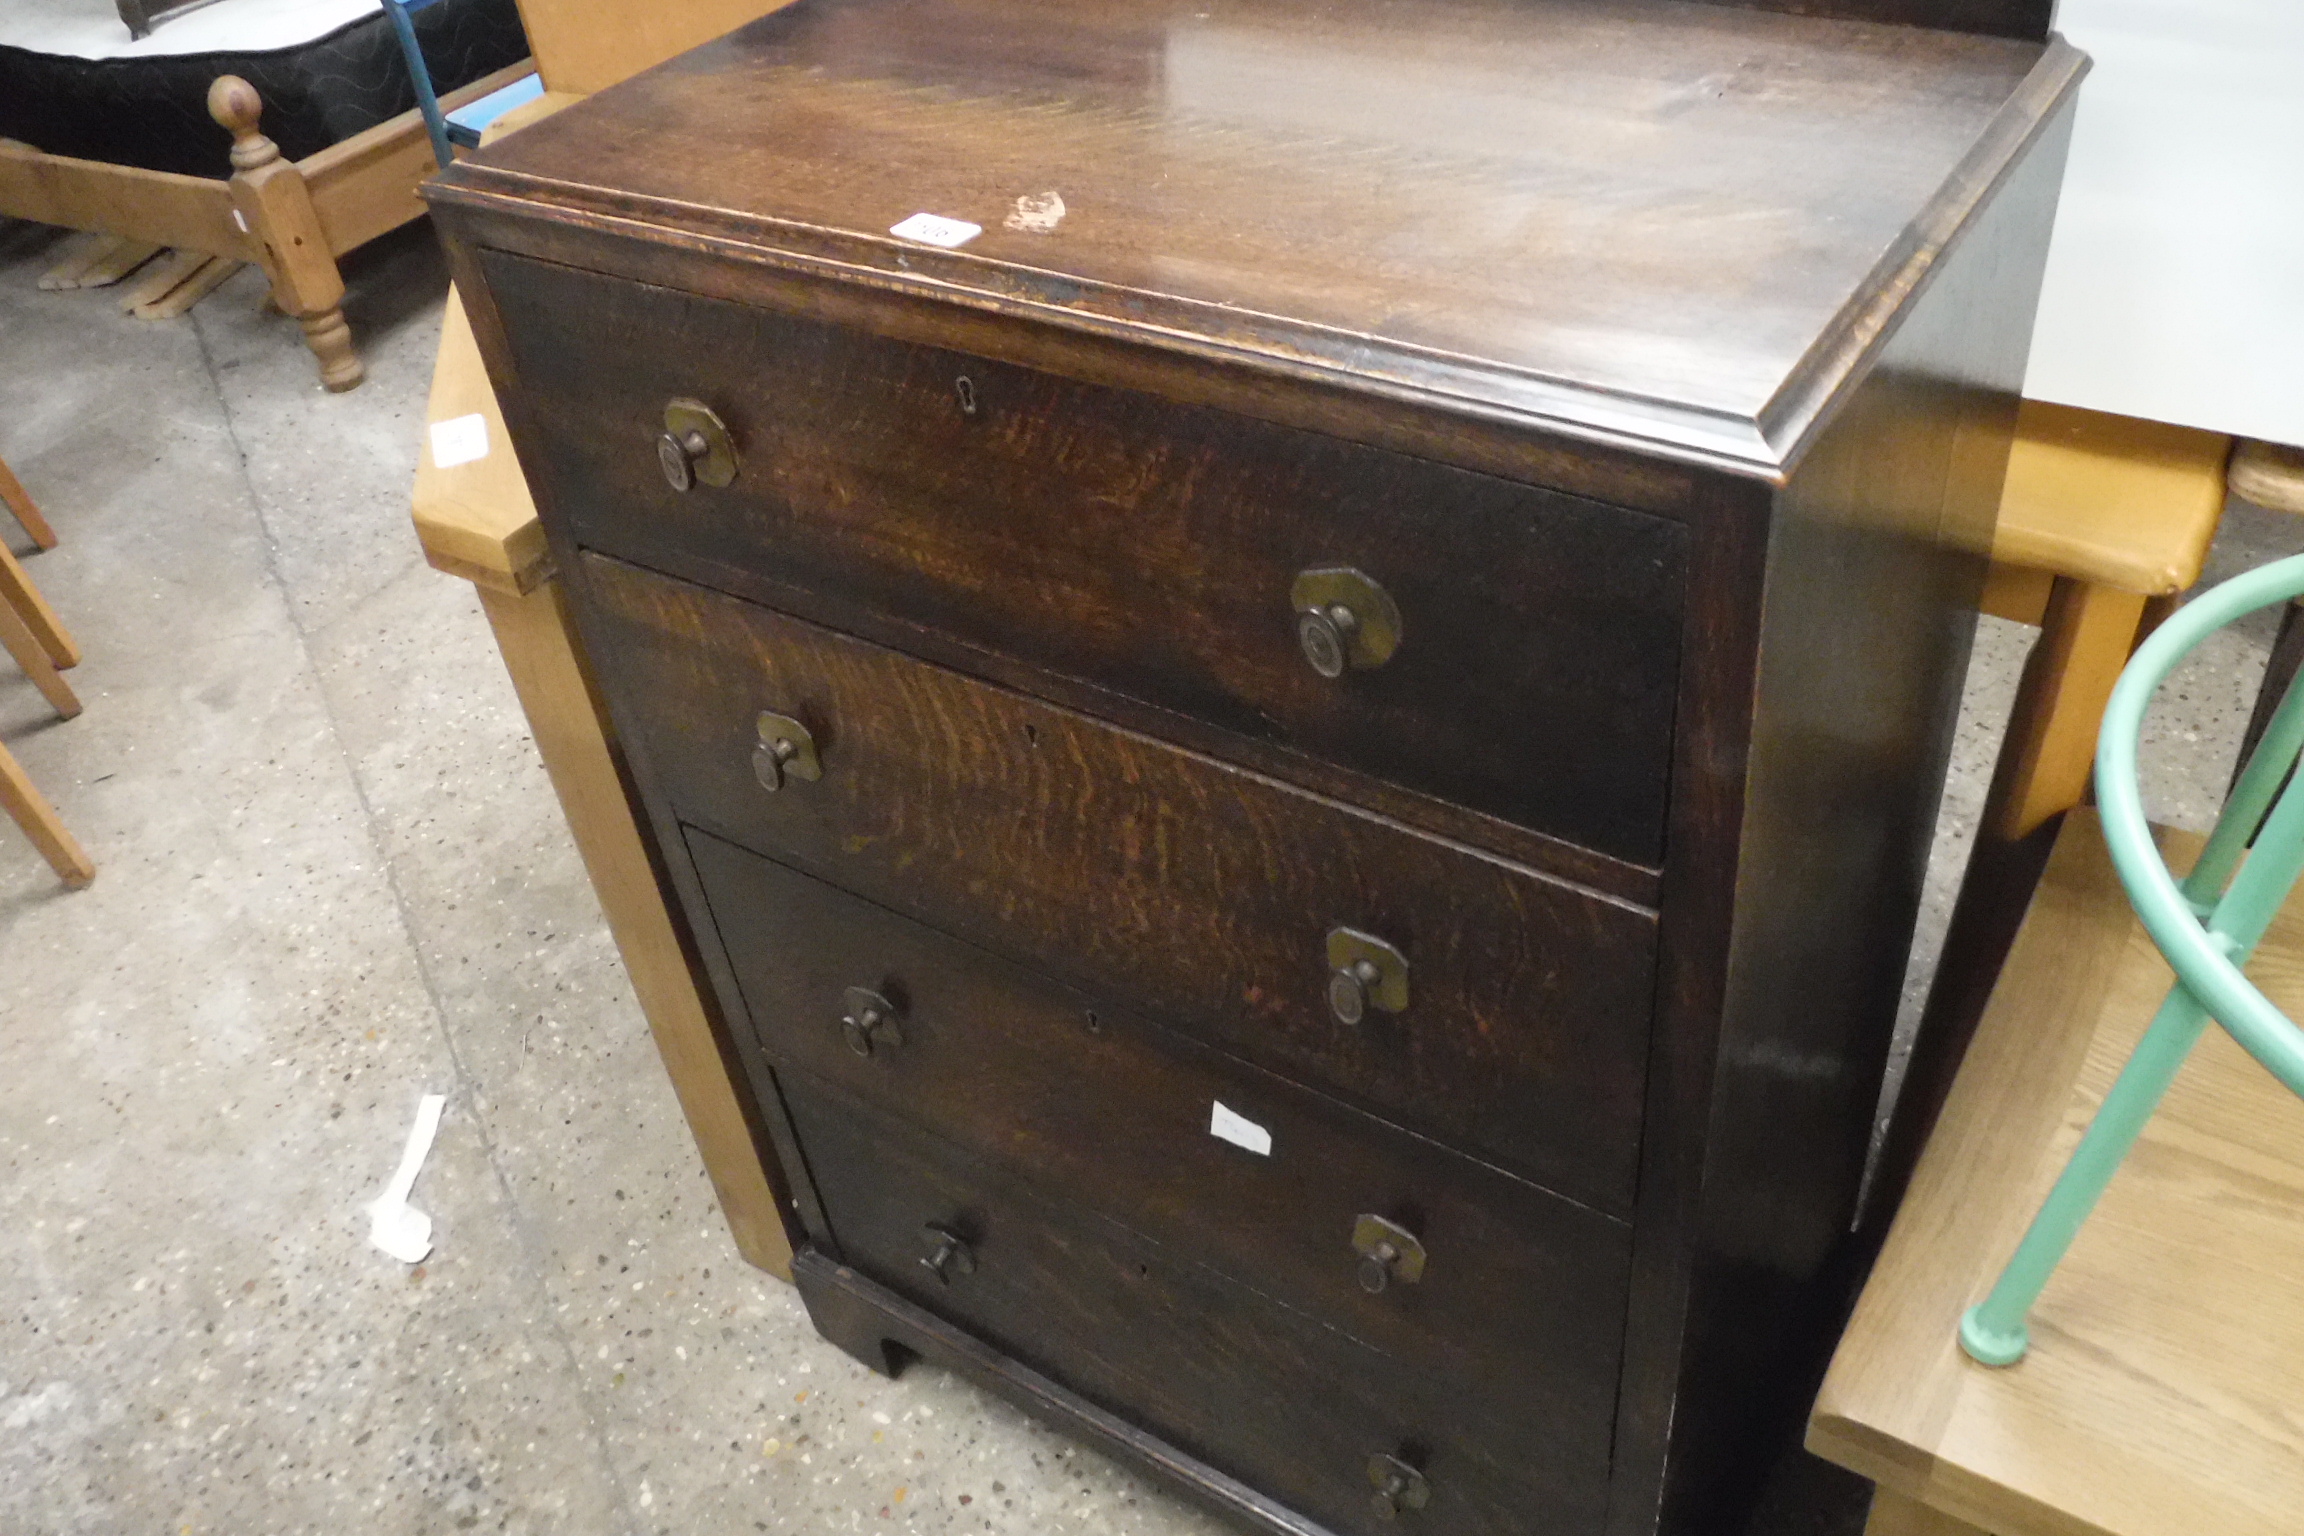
459	441
935	229
1239	1130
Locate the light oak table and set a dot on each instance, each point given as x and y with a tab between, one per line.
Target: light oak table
2164	1392
476	521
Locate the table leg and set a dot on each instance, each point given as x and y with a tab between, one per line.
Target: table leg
31	811
539	651
20	502
2086	635
1895	1515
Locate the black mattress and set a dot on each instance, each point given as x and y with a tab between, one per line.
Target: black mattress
153	111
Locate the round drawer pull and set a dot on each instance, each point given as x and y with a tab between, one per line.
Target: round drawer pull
1326	636
949	1253
868	1020
1343	620
1350	988
679	456
1398	1486
694	447
1388	1252
1364	972
785	750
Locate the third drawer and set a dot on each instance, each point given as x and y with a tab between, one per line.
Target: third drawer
1489	1282
1209	897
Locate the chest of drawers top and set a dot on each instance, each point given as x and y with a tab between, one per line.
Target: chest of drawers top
1672	225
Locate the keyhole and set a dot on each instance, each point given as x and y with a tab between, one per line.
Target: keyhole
965	388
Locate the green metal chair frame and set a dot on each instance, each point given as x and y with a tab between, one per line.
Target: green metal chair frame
2206	927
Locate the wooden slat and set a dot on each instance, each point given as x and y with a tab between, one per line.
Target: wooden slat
206	279
124	257
80	253
2160	1394
365	185
162	276
122	200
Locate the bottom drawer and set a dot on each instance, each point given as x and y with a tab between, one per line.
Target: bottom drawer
1292	1407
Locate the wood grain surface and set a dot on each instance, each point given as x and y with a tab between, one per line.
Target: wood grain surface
1113	536
1100	1108
1251	1386
1759	281
2160	1392
1200	893
1651	220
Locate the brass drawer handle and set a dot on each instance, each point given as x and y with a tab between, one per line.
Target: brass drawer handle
1388	1252
786	751
868	1020
694	446
1343	620
949	1253
1364	972
1398	1486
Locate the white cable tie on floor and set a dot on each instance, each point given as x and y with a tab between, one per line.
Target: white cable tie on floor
394	1225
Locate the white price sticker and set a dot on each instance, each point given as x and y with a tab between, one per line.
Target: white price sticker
1226	1125
459	441
934	229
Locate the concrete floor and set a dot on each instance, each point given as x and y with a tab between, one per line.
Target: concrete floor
334	878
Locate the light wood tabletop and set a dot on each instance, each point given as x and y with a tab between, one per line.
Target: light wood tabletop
2164	1392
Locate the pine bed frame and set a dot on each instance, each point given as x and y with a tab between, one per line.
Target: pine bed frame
293	218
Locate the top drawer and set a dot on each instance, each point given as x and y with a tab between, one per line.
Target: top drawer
1129	541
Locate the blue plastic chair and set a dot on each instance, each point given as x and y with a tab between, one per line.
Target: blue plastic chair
464	125
2206	927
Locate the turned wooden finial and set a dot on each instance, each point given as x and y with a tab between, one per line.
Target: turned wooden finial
233	102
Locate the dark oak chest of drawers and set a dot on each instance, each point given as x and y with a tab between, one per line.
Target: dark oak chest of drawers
1300	732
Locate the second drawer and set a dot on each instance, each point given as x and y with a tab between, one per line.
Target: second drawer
1210	897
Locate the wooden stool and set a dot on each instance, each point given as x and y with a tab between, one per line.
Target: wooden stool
33	635
2159	1396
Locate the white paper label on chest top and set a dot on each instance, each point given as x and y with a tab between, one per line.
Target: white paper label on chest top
1238	1129
934	229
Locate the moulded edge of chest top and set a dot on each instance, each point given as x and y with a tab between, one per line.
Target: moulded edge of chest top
1645	475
